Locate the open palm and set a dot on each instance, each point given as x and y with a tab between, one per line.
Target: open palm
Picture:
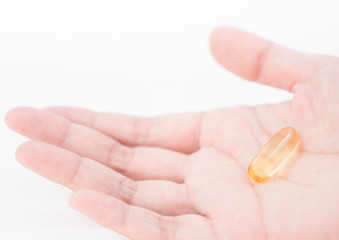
184	176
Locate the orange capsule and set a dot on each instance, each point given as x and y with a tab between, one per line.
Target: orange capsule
277	151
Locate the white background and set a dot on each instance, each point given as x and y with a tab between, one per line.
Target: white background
144	57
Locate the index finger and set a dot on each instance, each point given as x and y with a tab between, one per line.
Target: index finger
178	132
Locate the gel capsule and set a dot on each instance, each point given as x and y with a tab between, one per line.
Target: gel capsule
278	150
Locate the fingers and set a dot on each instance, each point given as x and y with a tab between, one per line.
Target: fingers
256	59
137	163
138	223
179	132
66	168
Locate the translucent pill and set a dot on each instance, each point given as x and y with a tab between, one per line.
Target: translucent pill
277	151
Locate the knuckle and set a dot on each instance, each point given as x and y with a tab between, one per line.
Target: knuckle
167	227
120	158
127	190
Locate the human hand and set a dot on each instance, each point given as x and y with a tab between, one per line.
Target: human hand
184	176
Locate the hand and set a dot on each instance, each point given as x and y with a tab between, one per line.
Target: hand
184	176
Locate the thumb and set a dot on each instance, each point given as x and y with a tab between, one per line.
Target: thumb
257	59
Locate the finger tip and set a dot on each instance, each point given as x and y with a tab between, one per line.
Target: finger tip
218	30
94	204
74	199
35	124
24	152
221	34
11	116
222	43
82	199
214	38
37	157
14	117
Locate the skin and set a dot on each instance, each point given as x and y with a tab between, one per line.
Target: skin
184	176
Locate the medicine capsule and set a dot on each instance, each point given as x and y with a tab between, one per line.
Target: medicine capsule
277	151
